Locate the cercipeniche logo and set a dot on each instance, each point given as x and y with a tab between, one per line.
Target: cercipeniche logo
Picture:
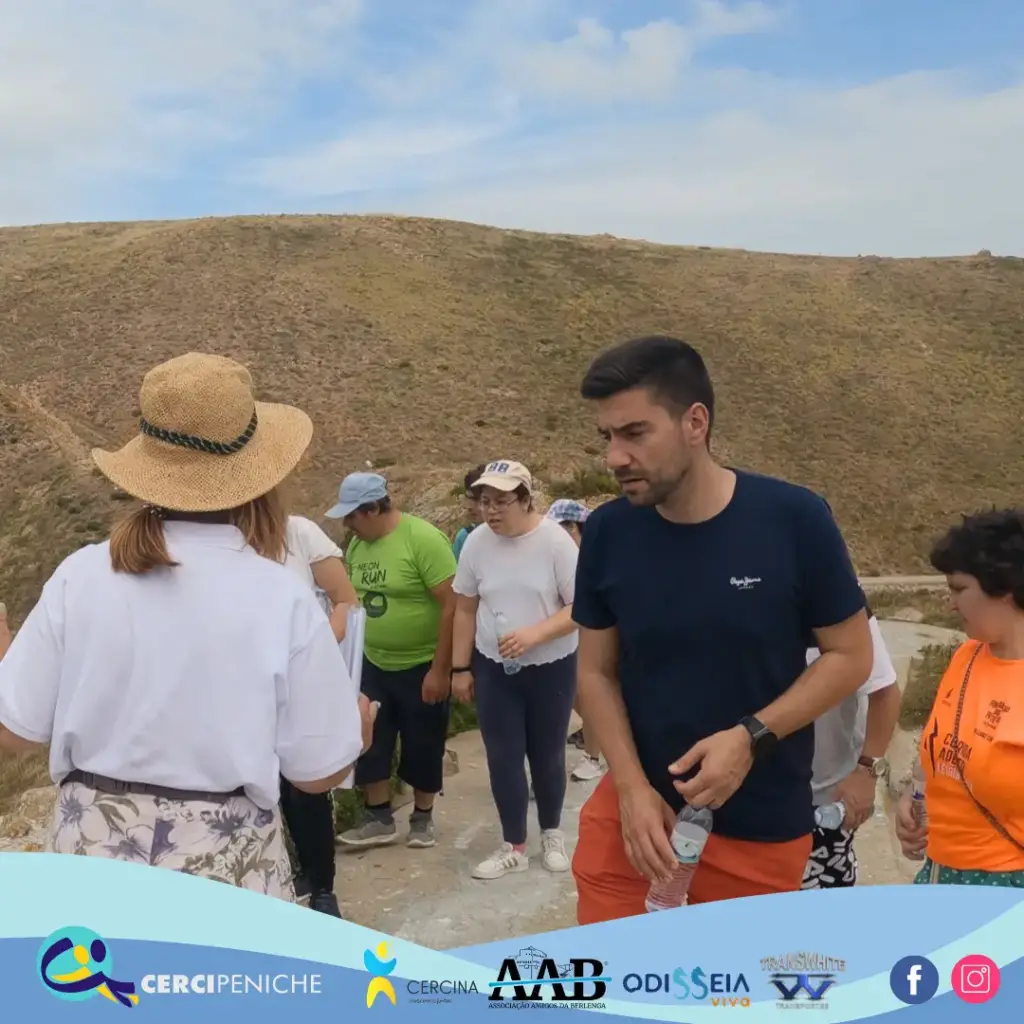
76	964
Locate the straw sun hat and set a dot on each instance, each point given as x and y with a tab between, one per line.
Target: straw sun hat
205	444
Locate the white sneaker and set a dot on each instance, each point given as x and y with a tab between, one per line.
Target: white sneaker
552	846
504	861
587	769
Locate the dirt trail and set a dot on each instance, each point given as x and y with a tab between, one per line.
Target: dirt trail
50	425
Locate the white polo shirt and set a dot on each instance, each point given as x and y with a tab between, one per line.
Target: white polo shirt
218	673
839	733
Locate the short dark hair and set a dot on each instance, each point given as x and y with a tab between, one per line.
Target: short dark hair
988	546
670	369
380	506
470	479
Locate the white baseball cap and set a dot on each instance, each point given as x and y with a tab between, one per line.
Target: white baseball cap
504	475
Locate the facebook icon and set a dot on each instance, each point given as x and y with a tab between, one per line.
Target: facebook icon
914	979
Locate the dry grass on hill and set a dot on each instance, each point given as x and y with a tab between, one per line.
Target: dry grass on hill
893	386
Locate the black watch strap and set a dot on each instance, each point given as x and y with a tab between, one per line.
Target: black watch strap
762	739
461	671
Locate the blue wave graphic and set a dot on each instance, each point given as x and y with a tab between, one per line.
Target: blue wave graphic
167	925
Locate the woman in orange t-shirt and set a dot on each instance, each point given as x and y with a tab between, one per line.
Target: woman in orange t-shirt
972	747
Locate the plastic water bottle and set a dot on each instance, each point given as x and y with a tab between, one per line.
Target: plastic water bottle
502	627
830	816
917	804
693	826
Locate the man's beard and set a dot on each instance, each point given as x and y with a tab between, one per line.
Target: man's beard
657	492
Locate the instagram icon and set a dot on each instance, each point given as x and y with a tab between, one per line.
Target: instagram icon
975	978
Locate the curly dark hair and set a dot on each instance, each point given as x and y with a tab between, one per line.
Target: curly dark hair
990	547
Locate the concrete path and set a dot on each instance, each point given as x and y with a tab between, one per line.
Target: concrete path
905	640
930	582
428	896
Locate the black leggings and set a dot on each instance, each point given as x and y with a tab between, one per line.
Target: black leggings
525	715
310	821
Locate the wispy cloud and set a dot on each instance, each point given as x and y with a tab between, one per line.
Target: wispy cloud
596	64
129	86
673	120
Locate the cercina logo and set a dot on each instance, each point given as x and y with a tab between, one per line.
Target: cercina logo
694	985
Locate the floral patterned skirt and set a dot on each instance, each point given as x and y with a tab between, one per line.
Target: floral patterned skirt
231	841
937	874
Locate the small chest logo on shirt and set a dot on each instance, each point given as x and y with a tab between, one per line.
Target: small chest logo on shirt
744	582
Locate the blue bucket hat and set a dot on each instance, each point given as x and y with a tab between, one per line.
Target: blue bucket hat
567	511
356	490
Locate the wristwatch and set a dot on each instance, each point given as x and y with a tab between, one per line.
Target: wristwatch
877	766
762	739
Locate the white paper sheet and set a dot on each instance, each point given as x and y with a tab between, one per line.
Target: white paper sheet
352	651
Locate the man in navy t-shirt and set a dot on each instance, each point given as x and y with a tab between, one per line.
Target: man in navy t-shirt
697	595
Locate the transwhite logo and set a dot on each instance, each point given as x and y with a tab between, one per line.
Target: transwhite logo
744	582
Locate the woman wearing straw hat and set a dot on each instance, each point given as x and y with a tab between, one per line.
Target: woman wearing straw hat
175	670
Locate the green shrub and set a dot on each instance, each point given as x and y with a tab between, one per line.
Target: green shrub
587	482
348	803
926	671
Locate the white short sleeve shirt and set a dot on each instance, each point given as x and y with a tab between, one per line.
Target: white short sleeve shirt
306	545
218	673
839	733
527	578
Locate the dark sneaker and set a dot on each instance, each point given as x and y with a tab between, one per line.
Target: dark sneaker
325	903
302	888
372	832
576	739
421	832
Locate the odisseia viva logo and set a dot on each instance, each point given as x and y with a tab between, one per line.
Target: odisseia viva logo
377	963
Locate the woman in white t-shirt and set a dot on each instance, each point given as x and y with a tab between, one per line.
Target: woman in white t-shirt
321	563
515	585
318	561
177	670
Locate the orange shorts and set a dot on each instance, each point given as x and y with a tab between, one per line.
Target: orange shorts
609	887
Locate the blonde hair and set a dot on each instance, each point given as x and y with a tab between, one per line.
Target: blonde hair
138	546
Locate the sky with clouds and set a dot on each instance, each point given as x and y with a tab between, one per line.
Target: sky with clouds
839	127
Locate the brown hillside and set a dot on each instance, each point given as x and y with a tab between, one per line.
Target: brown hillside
893	386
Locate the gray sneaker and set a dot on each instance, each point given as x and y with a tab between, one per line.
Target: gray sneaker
372	832
421	832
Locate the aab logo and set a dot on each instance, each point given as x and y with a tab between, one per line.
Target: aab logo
381	965
75	964
534	977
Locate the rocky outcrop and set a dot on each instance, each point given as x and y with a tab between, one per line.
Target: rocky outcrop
26	828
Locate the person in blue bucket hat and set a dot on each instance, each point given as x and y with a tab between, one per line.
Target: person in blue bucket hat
571	516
